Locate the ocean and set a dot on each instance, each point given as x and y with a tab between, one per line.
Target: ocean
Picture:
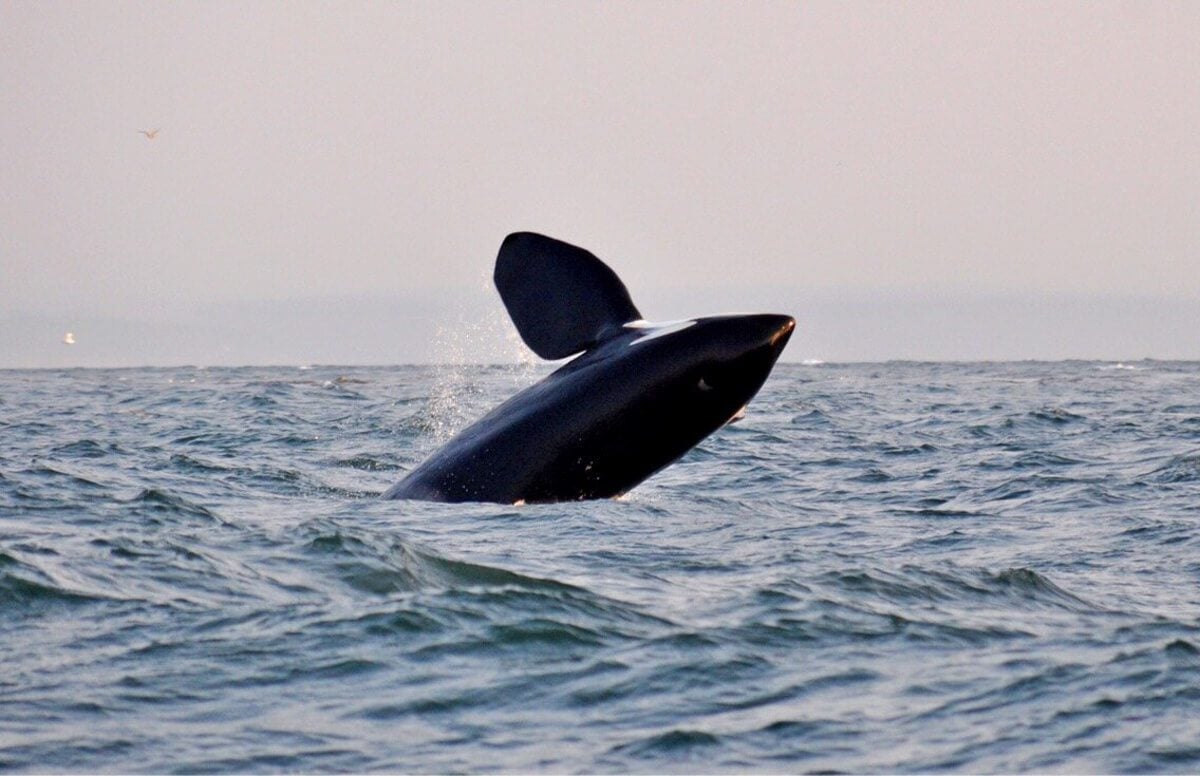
894	567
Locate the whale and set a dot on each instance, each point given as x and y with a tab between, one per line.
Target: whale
635	396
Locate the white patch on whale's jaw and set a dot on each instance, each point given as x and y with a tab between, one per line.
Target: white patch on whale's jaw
654	330
741	413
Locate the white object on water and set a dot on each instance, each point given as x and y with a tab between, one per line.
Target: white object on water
69	338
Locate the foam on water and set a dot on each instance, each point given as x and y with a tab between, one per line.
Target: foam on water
883	567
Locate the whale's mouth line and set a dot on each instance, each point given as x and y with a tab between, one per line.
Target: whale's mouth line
784	332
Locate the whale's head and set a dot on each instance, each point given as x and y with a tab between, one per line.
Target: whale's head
709	368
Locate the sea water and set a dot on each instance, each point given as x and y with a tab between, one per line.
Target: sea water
987	567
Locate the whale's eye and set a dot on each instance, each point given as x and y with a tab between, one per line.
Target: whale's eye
703	385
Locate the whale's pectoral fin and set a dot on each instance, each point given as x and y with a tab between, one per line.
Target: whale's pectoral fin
561	298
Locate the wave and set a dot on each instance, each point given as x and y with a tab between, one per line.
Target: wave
160	503
24	586
1178	469
87	448
1020	586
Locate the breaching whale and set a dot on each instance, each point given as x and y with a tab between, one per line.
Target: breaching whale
637	397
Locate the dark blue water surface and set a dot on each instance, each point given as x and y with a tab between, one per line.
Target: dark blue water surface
885	567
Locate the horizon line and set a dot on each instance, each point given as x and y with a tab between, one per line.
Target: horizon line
804	363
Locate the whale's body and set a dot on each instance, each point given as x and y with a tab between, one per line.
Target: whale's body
638	397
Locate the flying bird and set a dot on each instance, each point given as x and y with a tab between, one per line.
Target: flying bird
149	133
69	338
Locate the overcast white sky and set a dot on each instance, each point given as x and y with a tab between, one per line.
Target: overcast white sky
331	181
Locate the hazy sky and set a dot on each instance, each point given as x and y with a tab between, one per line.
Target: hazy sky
939	168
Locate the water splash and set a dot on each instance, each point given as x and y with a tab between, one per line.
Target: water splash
476	337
